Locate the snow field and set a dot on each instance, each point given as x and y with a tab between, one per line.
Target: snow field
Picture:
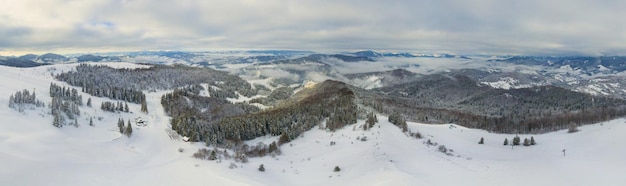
33	152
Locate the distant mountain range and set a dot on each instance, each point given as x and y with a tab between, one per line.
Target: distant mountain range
587	64
18	62
32	60
373	54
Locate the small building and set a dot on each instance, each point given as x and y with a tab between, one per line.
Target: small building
140	122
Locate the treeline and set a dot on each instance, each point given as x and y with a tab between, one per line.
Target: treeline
112	107
22	99
117	93
125	84
65	105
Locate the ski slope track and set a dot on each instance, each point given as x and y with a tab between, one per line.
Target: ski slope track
33	152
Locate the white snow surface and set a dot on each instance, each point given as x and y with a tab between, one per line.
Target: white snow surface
33	152
507	83
369	82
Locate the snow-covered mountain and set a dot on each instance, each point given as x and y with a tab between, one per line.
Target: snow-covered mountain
33	152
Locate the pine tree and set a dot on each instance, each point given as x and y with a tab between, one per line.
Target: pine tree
526	142
482	141
144	106
11	101
120	124
516	140
89	102
532	141
371	120
91	122
120	107
129	129
506	141
75	123
125	107
57	121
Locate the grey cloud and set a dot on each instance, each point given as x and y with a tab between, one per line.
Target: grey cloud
463	27
12	35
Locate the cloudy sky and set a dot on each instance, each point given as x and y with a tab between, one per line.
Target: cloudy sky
533	27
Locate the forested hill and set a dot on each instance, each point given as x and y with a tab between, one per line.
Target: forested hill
442	98
329	101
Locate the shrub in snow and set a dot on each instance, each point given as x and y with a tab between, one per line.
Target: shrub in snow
418	135
337	169
443	149
532	141
261	168
283	139
482	141
241	157
572	128
213	155
506	141
201	154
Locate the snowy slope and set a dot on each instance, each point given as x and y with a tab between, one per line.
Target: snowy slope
33	152
390	157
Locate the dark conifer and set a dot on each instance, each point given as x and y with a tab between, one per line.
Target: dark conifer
129	129
526	142
516	140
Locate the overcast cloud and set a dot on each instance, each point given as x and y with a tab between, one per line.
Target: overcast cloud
535	27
